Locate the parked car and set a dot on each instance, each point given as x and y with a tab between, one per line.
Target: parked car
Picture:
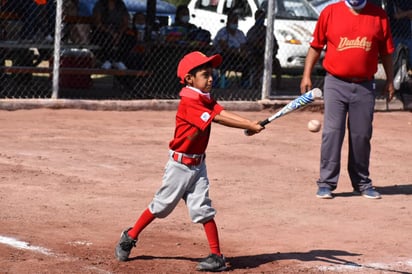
319	5
165	12
295	21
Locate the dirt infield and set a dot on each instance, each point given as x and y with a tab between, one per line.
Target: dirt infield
71	180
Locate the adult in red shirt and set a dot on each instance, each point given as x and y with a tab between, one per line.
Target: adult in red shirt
356	34
185	175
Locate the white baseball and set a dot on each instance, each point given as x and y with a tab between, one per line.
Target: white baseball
314	125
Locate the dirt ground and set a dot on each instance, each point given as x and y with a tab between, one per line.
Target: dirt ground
72	180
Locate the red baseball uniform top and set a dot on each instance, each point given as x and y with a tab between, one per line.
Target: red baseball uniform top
353	42
193	121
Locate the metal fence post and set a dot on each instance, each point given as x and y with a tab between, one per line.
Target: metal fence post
57	43
267	72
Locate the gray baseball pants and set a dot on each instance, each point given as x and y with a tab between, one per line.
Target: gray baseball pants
189	183
352	105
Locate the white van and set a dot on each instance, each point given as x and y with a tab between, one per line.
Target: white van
295	21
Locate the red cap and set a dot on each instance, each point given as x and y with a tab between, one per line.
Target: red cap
195	59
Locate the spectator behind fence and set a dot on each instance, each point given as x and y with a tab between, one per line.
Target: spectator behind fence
184	32
75	32
111	21
37	18
141	43
46	18
256	41
231	43
400	18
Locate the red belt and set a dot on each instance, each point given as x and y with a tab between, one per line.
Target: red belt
188	160
353	79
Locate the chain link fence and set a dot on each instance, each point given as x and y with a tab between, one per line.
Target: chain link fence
111	55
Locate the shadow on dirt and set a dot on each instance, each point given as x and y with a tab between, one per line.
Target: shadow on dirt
384	190
254	261
148	258
328	256
395	190
331	257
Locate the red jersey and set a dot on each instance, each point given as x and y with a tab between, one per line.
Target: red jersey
194	116
353	42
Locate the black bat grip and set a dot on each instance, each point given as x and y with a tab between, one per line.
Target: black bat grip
263	123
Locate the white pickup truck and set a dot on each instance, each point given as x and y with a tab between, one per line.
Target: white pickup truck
295	21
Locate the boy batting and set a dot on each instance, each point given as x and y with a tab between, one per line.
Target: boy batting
185	176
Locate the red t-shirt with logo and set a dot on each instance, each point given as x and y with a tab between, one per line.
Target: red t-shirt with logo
353	42
194	116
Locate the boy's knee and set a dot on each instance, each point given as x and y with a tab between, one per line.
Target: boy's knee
160	210
202	215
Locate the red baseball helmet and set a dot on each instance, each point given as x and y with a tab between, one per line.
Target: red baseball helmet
193	60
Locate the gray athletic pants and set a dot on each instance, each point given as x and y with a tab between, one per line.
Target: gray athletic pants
353	103
189	183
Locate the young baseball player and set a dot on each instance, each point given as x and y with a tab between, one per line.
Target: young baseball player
185	175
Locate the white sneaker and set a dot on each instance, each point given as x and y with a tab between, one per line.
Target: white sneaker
120	65
107	65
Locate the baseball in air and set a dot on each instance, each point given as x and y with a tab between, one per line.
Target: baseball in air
314	125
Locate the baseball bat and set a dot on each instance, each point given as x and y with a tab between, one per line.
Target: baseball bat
300	102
